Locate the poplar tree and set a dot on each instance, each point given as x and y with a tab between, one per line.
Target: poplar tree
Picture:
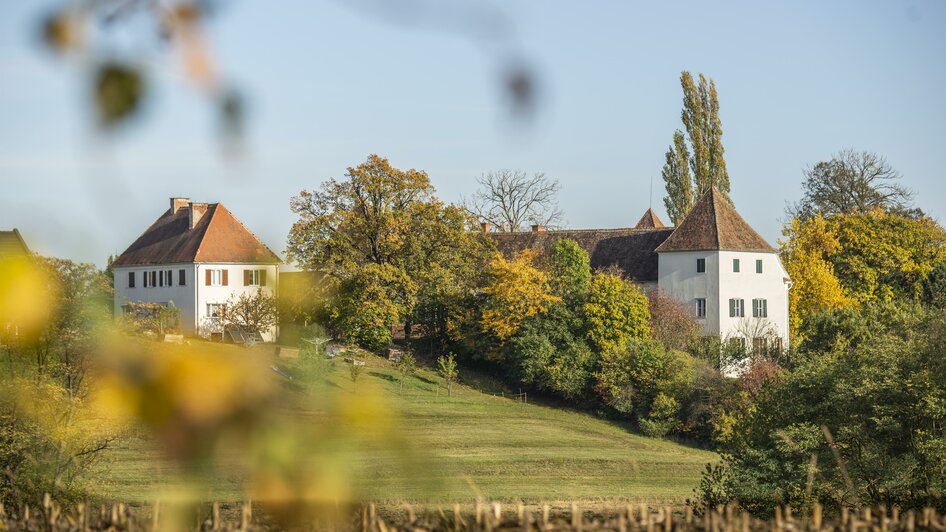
676	175
704	131
700	117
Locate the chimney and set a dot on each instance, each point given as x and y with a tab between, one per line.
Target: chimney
538	229
178	204
486	227
195	212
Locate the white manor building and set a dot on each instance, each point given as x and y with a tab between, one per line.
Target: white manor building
195	256
728	275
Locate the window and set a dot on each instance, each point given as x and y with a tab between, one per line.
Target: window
760	345
735	265
215	310
701	307
254	277
216	278
758	266
737	308
760	308
144	280
131	279
160	279
181	277
700	265
169	278
154	279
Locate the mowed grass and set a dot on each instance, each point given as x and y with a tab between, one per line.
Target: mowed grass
482	443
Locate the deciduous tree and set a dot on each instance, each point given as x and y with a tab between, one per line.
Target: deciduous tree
385	225
448	370
517	290
815	287
616	312
700	117
851	182
254	312
510	199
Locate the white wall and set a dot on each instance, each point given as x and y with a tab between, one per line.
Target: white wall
677	277
748	285
221	294
193	297
181	296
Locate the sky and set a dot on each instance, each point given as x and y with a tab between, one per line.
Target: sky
328	82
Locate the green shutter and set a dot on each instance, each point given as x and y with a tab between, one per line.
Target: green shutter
732	308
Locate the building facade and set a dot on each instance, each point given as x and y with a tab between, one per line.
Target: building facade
727	274
195	257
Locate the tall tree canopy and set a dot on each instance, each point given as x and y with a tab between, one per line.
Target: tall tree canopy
510	199
383	232
851	182
704	131
860	258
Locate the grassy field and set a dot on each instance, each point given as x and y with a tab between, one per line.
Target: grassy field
492	446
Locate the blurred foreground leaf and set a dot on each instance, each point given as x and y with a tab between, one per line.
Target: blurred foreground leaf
119	90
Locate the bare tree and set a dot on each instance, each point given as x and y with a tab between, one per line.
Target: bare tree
851	182
510	199
254	312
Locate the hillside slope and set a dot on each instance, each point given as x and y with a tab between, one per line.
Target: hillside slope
493	446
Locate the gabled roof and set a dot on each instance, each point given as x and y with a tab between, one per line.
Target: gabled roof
630	249
714	224
217	237
649	221
12	244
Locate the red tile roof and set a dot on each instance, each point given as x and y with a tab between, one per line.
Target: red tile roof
714	224
631	249
217	237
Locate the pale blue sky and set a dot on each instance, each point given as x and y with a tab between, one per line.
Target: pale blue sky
329	84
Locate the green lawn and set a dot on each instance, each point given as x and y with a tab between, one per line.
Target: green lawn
496	447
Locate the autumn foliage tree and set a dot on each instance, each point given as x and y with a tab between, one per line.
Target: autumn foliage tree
517	290
859	258
616	312
389	242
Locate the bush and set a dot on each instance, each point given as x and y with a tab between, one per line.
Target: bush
877	402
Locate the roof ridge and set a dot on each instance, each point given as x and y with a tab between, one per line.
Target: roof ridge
713	192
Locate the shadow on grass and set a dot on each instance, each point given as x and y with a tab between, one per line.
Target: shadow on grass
385	376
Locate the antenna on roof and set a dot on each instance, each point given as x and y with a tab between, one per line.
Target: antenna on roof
651	204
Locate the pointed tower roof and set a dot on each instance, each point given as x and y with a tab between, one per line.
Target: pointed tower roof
714	224
649	221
